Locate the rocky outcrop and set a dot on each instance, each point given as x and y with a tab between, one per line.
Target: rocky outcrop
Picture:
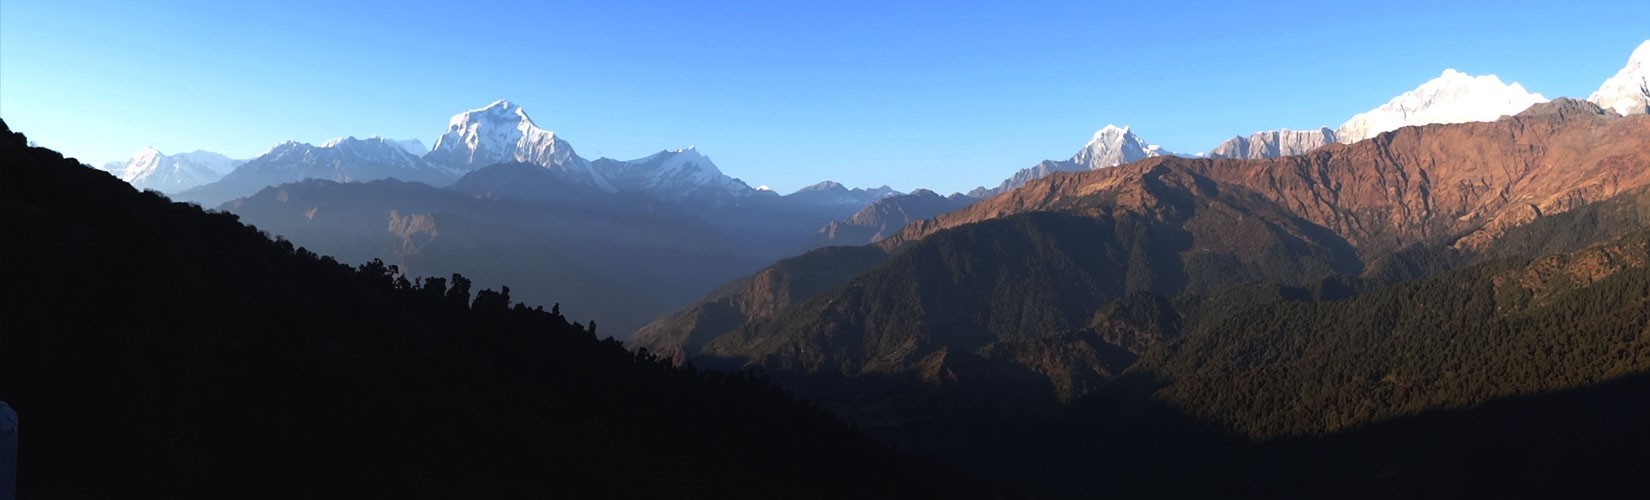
1273	144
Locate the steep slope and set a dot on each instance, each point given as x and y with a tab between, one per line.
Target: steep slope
976	301
1111	146
1273	144
886	216
1462	183
673	175
1459	385
622	258
1038	274
760	296
226	365
1399	352
1453	97
1628	92
151	169
1043	262
413	147
501	132
340	160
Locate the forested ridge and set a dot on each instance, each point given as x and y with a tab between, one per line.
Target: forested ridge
1196	343
153	349
1469	384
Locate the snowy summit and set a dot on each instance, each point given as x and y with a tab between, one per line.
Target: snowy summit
1453	97
151	169
502	132
1628	92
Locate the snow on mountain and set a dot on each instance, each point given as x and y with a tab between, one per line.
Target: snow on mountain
502	132
1109	147
1629	91
1112	146
346	159
1273	144
671	174
1453	97
413	147
151	169
834	193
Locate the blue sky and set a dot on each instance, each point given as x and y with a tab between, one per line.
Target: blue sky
911	94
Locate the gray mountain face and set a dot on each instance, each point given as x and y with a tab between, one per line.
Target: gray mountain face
886	216
623	257
834	193
341	160
1274	144
151	169
673	175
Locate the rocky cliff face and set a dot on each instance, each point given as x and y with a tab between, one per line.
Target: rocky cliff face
1273	144
886	216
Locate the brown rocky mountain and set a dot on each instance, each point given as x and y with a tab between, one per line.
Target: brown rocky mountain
1466	183
1019	271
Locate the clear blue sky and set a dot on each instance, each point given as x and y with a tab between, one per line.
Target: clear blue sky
912	94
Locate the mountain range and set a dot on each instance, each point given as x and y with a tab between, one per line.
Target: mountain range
1044	260
503	132
1447	296
151	169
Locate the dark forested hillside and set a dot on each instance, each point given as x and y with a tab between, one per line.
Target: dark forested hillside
1192	328
155	350
1512	378
936	305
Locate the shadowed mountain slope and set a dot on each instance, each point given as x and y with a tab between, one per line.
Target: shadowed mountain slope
157	350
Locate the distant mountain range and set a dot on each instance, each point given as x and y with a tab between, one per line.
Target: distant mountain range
503	132
637	193
151	169
1453	97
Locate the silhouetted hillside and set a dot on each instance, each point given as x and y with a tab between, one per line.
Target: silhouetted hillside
156	350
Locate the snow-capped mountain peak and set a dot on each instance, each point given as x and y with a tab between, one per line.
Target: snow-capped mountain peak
502	132
410	146
151	169
1453	97
823	186
834	193
670	174
1628	93
1112	146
